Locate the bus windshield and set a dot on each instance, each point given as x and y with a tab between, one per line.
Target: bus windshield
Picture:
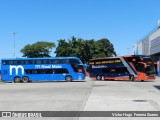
150	69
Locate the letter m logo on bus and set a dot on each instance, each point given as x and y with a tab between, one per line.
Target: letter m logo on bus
16	69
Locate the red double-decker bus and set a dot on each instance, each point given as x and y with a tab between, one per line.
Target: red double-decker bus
134	67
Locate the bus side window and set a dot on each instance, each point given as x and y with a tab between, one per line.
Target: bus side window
63	61
34	71
74	61
53	71
22	62
5	62
33	61
64	71
17	62
49	62
38	61
55	61
42	71
10	62
48	71
28	71
60	71
45	62
25	62
29	62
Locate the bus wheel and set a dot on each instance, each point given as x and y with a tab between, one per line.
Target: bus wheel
17	80
98	77
25	79
131	78
68	79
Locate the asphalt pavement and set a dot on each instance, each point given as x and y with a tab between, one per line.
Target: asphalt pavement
86	95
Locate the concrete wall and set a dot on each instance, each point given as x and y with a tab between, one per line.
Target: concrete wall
137	48
145	46
142	47
150	45
155	42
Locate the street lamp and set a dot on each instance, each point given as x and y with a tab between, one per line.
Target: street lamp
14	44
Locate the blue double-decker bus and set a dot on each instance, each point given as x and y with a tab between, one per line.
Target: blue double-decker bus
42	69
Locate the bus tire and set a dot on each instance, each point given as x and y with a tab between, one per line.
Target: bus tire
98	77
25	80
131	78
17	80
68	79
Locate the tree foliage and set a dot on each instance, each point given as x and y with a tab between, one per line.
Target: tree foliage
38	49
85	49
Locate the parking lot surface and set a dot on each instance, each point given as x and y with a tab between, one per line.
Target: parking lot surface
82	96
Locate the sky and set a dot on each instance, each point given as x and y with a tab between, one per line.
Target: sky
123	22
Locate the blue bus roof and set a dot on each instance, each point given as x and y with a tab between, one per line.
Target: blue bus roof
40	58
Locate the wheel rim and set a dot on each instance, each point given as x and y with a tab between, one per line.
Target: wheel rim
17	80
68	79
98	77
102	78
132	78
25	79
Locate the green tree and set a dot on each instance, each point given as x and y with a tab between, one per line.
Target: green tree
38	49
106	48
89	50
63	48
85	49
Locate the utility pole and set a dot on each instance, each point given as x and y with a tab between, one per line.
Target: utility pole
14	44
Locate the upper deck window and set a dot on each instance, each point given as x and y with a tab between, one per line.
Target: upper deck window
74	61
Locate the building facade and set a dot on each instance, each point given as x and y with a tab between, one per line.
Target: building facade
150	45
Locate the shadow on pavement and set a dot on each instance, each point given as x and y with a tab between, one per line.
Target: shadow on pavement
158	87
125	80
